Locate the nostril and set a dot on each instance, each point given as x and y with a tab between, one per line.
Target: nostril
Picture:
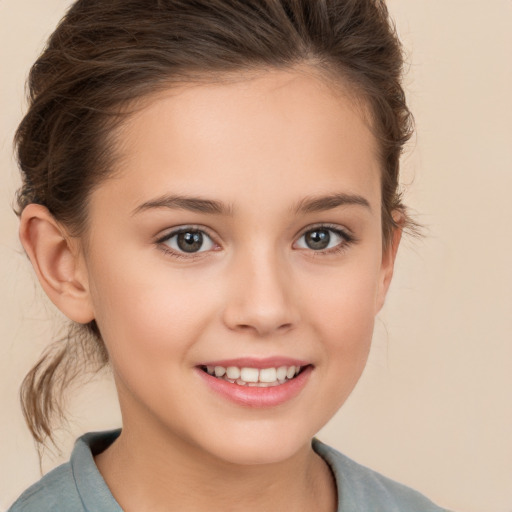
263	316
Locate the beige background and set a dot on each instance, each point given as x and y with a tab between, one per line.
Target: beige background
434	407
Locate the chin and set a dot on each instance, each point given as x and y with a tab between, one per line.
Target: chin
259	446
256	454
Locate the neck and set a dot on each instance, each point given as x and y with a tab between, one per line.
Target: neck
159	473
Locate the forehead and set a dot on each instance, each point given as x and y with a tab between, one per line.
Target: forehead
275	133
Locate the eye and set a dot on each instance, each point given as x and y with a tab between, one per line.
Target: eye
322	238
188	240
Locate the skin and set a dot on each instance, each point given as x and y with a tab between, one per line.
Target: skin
261	147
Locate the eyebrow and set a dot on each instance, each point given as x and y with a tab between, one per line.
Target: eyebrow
200	205
329	202
193	204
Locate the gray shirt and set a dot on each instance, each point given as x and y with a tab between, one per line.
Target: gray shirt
78	486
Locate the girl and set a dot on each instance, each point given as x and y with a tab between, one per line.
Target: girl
210	191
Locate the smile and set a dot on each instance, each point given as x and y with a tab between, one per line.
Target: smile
252	382
254	377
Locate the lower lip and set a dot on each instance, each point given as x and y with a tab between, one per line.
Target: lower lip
252	396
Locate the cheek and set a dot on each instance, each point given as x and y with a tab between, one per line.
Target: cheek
343	315
345	298
347	331
148	313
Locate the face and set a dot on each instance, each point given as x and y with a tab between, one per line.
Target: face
241	237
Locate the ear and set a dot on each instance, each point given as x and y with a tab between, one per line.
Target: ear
388	259
57	261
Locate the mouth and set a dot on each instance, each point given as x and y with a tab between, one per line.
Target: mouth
260	383
255	377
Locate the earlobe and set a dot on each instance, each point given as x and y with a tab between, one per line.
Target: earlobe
57	262
388	259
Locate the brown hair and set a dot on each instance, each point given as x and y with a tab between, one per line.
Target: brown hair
105	54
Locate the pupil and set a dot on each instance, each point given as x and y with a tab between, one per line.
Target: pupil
190	241
318	239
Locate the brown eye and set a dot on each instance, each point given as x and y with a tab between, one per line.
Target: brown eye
318	239
323	238
188	241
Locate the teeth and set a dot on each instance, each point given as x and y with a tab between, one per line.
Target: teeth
268	375
219	371
250	374
254	377
291	372
233	372
281	372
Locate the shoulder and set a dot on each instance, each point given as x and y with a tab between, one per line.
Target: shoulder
362	489
49	494
76	486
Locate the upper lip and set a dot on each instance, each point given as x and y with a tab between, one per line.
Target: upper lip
255	362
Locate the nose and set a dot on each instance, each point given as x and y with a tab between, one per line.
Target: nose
260	297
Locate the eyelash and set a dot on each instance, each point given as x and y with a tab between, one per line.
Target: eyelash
347	240
179	255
